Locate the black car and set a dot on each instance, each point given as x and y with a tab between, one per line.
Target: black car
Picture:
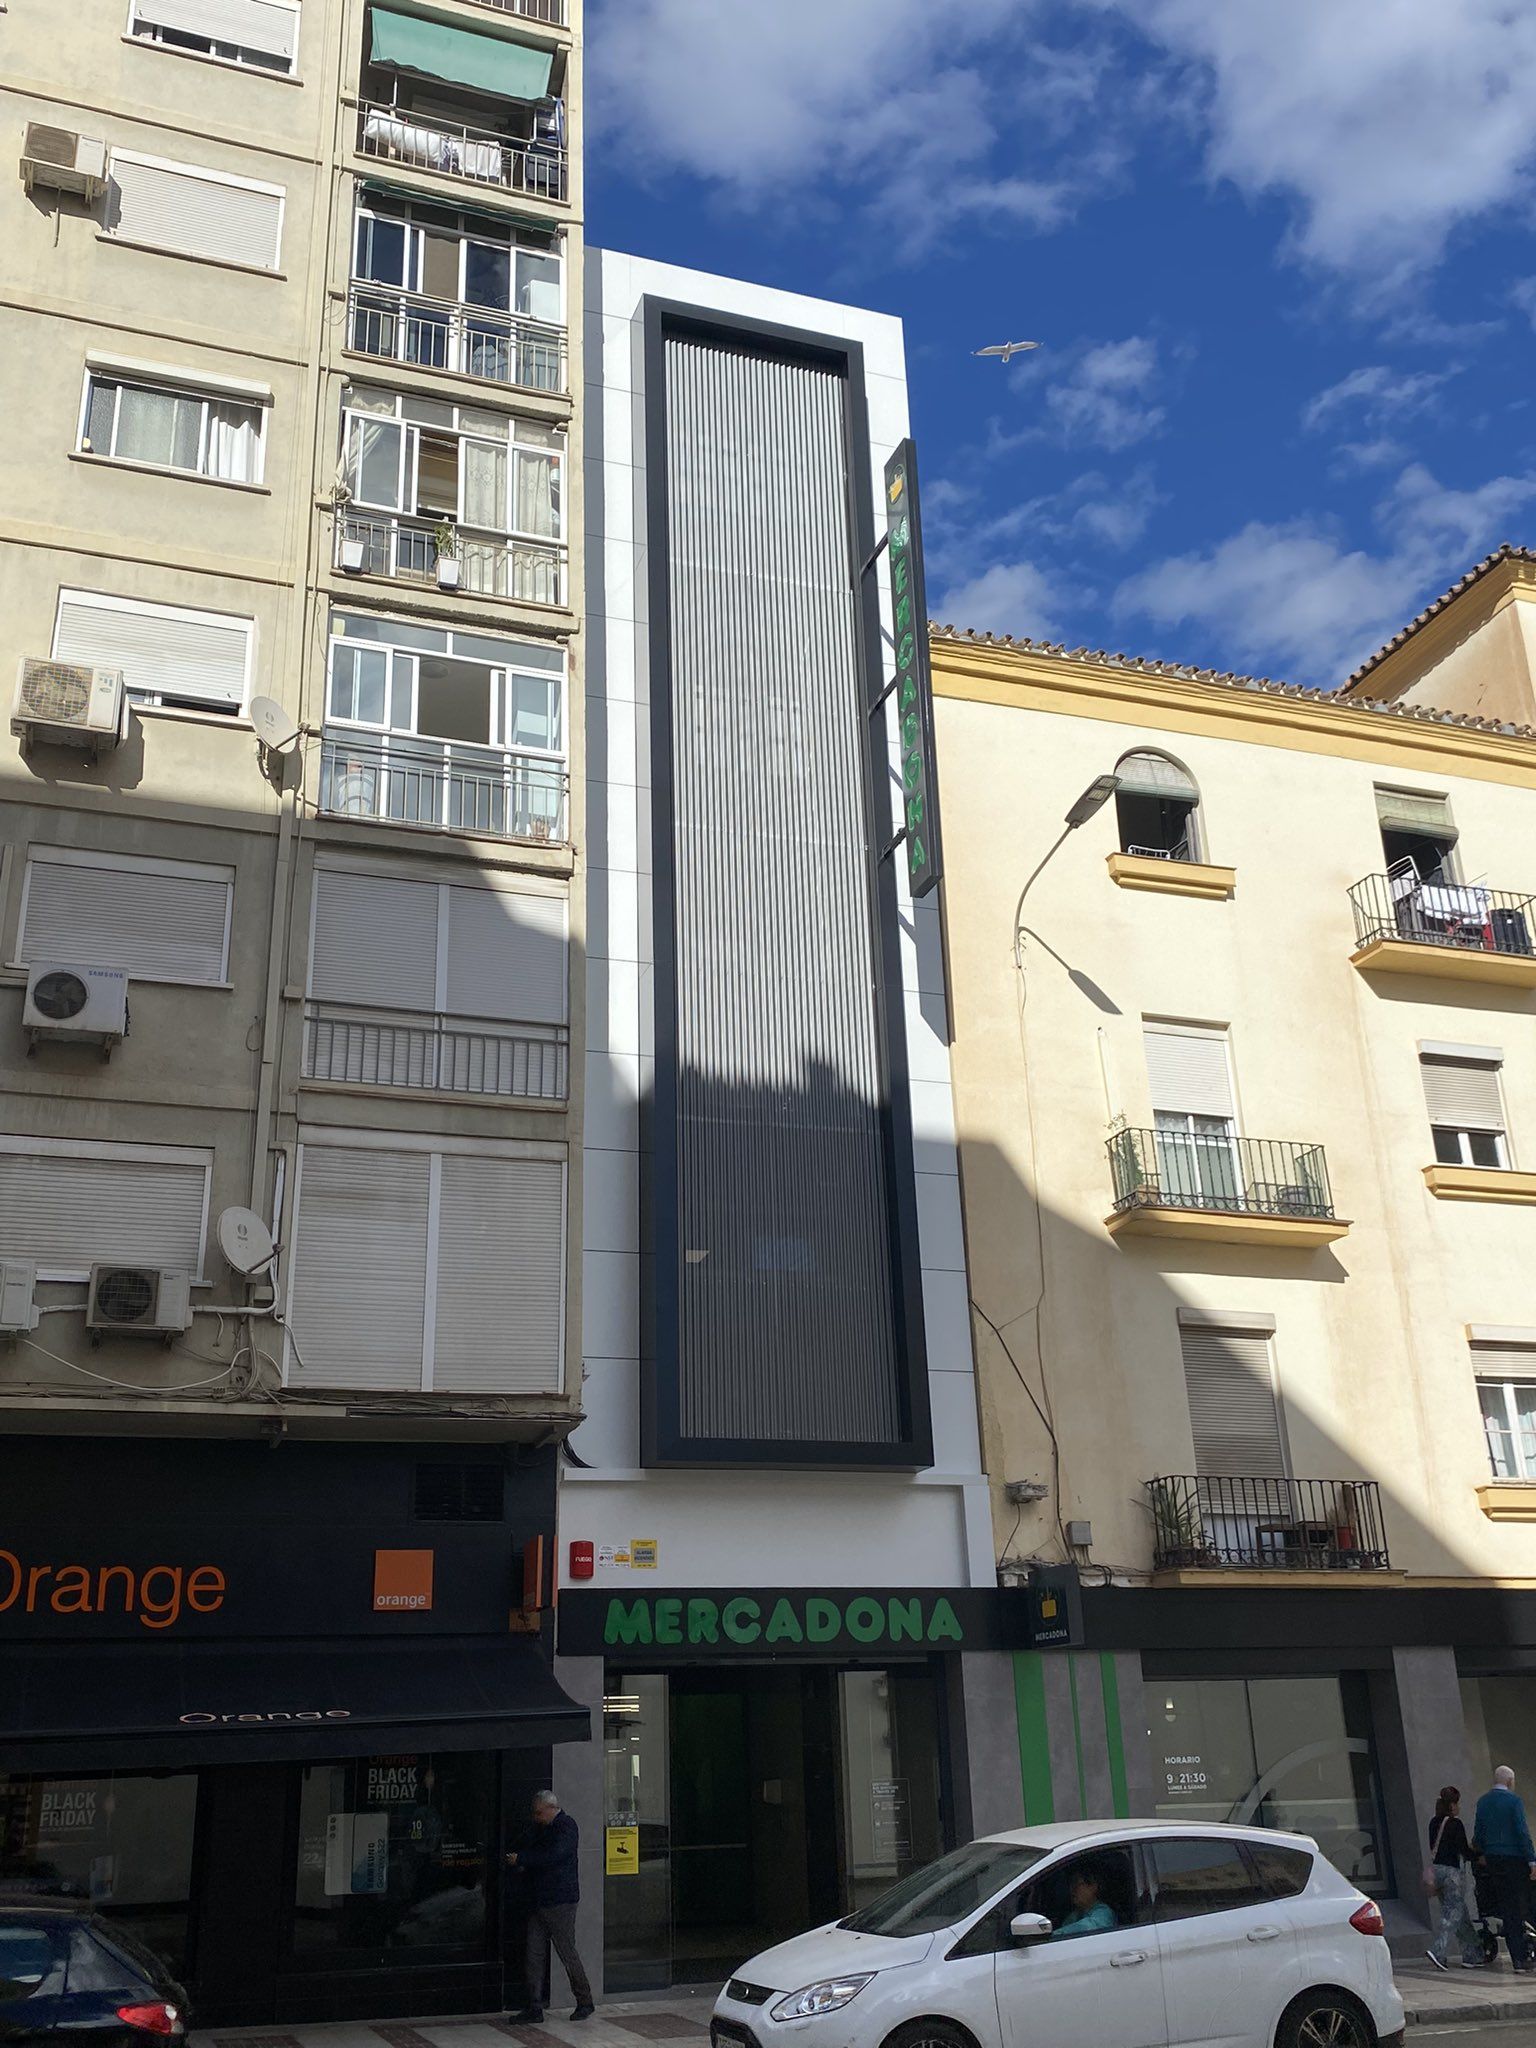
67	1975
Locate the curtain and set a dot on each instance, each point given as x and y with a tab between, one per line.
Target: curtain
234	443
485	486
538	495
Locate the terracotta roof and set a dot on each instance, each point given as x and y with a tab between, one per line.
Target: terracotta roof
1507	553
1136	664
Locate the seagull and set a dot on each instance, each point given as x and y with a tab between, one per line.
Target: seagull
1006	349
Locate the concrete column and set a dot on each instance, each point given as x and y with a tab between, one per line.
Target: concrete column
984	1744
578	1785
1140	1783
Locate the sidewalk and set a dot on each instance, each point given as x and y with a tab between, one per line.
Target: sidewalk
1487	1995
636	2023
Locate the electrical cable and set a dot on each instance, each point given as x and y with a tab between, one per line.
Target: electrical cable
125	1386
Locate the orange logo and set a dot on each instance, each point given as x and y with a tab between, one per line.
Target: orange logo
402	1579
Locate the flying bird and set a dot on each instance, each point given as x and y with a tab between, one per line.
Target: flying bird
1006	349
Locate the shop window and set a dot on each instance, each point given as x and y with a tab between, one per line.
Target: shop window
1158	808
1198	1877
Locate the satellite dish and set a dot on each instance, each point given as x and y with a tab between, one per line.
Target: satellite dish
274	728
245	1240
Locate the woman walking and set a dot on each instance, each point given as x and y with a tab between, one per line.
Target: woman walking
1449	1855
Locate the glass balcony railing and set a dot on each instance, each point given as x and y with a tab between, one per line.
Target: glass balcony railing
448	785
1207	1524
1219	1173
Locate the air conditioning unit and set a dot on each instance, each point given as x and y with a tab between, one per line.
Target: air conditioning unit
68	704
59	160
70	1005
138	1301
18	1310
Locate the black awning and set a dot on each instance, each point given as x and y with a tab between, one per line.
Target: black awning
153	1705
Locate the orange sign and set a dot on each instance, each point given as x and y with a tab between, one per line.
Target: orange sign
402	1581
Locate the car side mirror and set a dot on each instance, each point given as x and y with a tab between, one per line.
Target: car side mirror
1028	1928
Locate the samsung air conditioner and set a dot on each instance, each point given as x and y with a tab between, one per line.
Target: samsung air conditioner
59	160
68	704
71	1004
139	1301
18	1306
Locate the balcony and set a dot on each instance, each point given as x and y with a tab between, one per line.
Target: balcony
406	550
1269	1525
469	341
1454	931
1221	1189
552	13
443	786
536	169
349	1045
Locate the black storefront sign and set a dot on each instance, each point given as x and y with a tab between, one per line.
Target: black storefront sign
913	683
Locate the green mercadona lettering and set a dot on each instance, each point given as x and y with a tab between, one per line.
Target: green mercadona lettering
693	1620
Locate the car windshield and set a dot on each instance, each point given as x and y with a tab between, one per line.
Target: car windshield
941	1893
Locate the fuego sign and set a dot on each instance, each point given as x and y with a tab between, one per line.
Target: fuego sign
914	681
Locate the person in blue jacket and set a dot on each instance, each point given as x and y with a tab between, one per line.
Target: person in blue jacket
1090	1914
548	1855
1501	1840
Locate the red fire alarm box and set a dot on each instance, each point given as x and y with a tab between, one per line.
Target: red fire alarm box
582	1562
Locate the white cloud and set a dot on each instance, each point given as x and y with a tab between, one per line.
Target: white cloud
1375	395
1523	292
1351	458
1010	597
1094	395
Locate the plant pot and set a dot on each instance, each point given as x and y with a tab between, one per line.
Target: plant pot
447	573
351	556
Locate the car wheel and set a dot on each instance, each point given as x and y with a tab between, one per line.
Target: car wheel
929	2034
1324	2019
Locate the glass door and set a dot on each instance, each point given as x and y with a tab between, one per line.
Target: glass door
890	1789
637	1836
1197	1160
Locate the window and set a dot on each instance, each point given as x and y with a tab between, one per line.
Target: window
1158	806
1418	839
1092	1892
168	655
68	1206
1466	1108
261	33
203	434
27	1959
188	211
1194	1114
1234	1418
1284	1873
160	920
418	1270
946	1891
1197	1877
395	677
1506	1389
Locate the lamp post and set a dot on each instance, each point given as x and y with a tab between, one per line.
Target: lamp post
1092	800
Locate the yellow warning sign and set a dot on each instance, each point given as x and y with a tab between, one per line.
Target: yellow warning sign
623	1857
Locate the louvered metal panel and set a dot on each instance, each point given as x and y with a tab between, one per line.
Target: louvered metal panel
68	1212
786	1321
375	940
176	207
1504	1362
507	956
156	922
500	1277
162	652
250	24
359	1269
1232	1408
1189	1072
1463	1094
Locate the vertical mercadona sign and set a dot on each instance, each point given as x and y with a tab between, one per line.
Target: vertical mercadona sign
913	682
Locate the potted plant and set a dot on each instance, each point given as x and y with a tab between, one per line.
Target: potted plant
447	542
1178	1532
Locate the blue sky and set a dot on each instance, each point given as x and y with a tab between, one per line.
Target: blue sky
1279	256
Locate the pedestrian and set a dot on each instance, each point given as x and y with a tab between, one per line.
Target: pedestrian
1501	1840
548	1855
1445	1880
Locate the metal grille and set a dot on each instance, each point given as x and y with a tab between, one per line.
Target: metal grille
1286	1525
1467	916
459	1492
56	690
1177	1169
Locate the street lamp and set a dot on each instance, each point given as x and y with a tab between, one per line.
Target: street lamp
1093	798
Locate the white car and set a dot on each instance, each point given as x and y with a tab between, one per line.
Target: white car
1094	1934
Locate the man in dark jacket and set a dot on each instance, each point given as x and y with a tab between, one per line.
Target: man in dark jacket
549	1857
1501	1839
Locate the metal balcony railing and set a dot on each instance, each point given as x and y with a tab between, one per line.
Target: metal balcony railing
1435	912
1285	1525
1228	1175
388	544
455	150
552	12
462	1055
443	334
449	785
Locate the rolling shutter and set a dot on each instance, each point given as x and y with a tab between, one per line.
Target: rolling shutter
375	940
506	956
1504	1362
180	657
1189	1072
500	1268
1155	775
1463	1094
181	209
1406	810
265	25
1233	1413
69	1212
359	1292
153	919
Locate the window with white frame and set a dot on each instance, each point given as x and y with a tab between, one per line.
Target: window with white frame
1465	1104
171	426
1506	1392
263	34
388	676
433	1268
189	210
168	654
1194	1114
158	920
70	1205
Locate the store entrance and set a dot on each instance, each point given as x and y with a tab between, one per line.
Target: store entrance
747	1803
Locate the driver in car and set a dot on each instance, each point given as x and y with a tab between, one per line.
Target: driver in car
1090	1914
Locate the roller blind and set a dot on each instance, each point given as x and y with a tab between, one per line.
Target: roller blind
183	657
358	1307
1406	811
1504	1361
153	919
1463	1094
179	208
1156	775
265	25
1233	1413
506	955
70	1211
1189	1071
500	1260
375	940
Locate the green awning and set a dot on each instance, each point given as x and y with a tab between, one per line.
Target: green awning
428	49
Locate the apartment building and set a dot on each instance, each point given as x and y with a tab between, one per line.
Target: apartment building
1245	1081
291	582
